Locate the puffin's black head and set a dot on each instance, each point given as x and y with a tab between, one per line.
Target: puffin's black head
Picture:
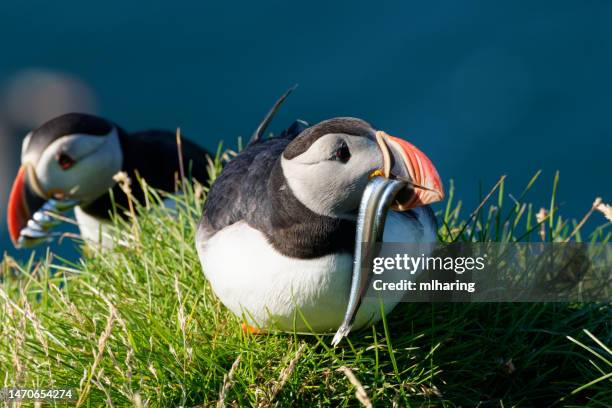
73	156
329	164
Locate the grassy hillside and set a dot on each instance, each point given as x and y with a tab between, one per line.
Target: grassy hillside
139	325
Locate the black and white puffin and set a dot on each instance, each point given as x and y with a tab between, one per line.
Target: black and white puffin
277	236
73	158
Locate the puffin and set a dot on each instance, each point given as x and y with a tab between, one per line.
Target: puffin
70	162
281	233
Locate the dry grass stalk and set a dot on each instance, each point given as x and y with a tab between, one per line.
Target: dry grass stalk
72	308
125	183
284	375
98	383
605	209
595	205
39	331
153	371
61	218
19	340
360	392
181	311
541	216
198	191
179	146
475	213
182	319
72	236
228	381
86	385
137	400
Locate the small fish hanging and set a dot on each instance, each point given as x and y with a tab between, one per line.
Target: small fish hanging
39	227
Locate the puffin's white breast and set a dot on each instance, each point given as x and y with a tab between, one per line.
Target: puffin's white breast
270	289
94	230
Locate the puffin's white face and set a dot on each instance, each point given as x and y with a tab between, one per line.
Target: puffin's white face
330	176
76	166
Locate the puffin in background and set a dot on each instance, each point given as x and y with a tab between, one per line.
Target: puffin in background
277	238
70	162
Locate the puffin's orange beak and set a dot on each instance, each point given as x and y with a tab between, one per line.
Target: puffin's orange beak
23	202
18	211
402	160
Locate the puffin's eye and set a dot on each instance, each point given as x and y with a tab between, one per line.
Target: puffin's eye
65	161
342	153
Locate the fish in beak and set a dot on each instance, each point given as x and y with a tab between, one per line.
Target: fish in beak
30	217
407	179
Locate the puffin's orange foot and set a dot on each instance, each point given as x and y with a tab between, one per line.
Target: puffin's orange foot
250	329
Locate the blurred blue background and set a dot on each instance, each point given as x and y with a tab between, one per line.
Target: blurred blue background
485	88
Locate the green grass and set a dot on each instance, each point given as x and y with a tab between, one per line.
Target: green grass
139	325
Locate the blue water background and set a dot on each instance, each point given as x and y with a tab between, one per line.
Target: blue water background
484	88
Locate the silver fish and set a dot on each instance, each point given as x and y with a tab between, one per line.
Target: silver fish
38	229
375	202
44	220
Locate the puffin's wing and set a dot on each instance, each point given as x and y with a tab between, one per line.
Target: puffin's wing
239	193
154	153
294	130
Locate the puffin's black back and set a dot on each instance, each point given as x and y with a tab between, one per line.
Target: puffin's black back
154	156
252	189
237	194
